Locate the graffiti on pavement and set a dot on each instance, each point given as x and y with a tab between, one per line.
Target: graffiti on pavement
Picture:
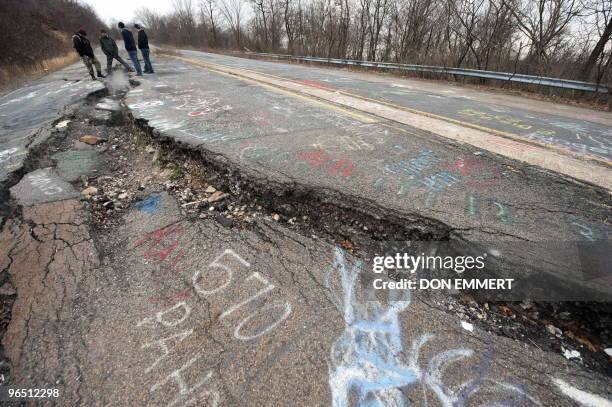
370	365
149	205
215	280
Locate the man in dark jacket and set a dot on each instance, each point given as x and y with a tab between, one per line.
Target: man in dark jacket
109	47
130	47
83	48
143	46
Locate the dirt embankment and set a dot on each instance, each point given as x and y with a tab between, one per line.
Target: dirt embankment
36	36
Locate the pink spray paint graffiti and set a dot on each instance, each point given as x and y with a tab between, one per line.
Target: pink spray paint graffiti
318	160
477	174
331	164
165	246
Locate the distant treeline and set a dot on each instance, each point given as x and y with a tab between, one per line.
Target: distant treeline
559	38
32	31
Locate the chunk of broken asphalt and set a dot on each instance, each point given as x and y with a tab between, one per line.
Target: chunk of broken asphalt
43	185
90	139
228	223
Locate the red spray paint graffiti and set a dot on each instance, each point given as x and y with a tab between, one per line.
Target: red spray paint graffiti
334	166
165	245
314	84
476	172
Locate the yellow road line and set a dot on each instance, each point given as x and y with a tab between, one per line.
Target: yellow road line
511	136
496	132
370	118
362	117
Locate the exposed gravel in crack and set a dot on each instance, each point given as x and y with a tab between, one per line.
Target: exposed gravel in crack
141	162
353	224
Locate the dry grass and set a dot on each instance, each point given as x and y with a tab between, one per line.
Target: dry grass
14	73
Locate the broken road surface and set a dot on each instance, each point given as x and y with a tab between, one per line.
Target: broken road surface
290	145
202	254
25	112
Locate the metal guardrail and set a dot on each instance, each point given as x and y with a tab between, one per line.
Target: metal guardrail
501	76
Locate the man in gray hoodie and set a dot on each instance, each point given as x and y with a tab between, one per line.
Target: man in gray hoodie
110	49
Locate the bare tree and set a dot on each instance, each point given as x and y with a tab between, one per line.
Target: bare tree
379	13
601	12
290	21
154	23
184	15
544	22
209	12
232	11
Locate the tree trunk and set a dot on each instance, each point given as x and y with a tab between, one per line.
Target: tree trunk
599	47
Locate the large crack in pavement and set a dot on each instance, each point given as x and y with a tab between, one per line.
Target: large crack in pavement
298	155
182	276
28	112
22	153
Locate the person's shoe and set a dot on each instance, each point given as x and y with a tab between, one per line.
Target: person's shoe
139	74
100	75
93	78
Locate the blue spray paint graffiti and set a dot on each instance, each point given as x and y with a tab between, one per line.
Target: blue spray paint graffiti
439	181
370	366
367	355
413	174
149	205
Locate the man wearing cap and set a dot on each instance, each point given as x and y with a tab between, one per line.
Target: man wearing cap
83	48
143	46
130	47
109	47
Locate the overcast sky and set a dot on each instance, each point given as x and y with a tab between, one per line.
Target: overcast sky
123	10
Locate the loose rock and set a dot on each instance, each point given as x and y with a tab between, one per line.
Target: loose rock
62	124
89	139
217	196
89	191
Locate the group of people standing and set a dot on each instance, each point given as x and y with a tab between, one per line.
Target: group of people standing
109	47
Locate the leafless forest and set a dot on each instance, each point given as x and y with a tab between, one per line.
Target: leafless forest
560	38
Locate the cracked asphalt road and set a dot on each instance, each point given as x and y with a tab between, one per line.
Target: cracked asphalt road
360	160
160	307
23	112
579	130
163	310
